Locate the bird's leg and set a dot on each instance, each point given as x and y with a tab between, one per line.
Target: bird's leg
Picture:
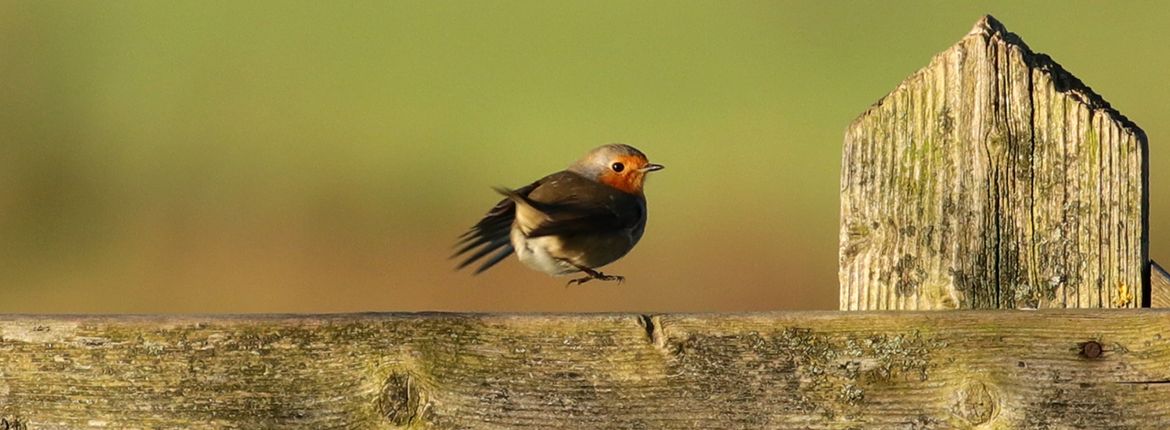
593	274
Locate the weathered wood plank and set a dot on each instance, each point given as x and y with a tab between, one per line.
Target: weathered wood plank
993	178
1159	286
819	370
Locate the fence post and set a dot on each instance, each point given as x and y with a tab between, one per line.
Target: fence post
993	178
1159	286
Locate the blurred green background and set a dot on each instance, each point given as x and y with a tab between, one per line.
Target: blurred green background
256	156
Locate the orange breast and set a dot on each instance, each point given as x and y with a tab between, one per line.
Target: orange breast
628	183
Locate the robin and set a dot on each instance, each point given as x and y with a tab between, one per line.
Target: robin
575	220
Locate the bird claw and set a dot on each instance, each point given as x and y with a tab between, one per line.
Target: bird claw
593	274
577	281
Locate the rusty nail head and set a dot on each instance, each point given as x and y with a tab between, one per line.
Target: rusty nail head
1091	349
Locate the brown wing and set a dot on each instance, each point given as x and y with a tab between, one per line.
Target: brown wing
576	205
491	234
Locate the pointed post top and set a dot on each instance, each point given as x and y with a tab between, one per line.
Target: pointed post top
990	28
987	25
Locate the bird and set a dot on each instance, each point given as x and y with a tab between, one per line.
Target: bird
572	221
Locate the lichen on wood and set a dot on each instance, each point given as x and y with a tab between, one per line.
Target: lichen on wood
809	370
993	178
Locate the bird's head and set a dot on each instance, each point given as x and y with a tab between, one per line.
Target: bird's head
617	165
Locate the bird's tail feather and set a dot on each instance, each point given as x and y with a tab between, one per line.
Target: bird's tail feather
528	216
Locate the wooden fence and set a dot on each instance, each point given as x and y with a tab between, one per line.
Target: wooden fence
992	179
1099	369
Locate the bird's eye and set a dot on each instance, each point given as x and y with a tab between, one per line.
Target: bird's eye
618	167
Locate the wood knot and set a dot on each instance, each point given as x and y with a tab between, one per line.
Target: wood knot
974	403
13	423
400	400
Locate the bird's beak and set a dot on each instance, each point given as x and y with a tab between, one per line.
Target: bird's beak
652	167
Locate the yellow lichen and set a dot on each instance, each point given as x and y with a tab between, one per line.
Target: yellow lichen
1124	297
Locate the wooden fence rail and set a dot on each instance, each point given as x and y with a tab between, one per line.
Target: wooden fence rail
1101	369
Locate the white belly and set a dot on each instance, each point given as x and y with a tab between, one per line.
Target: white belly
537	253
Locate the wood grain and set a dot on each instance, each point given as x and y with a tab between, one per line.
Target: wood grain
1159	286
810	370
993	178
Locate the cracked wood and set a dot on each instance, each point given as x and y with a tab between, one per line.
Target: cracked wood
1101	369
993	178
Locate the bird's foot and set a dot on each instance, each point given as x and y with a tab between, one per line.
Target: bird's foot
593	274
